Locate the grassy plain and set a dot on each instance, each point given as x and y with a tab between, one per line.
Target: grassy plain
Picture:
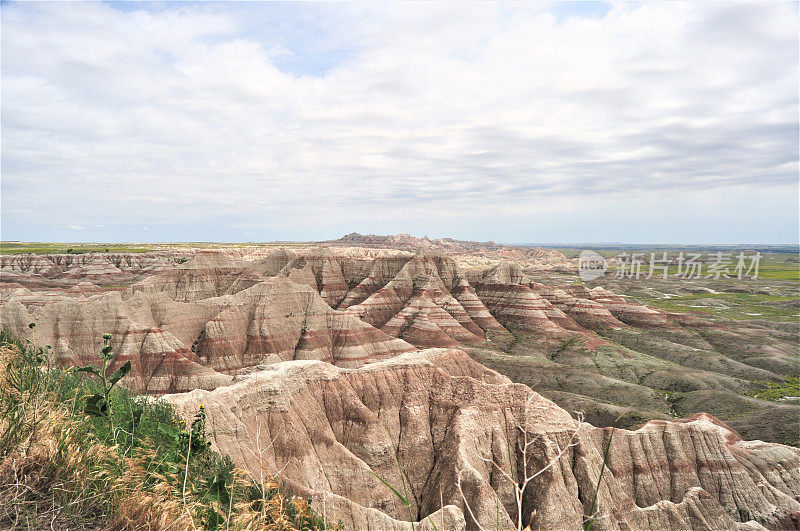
15	247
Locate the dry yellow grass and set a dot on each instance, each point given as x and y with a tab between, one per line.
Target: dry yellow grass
57	474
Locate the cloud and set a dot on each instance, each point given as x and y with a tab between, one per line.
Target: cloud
74	227
260	117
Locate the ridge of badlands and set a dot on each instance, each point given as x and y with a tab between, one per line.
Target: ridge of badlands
447	415
190	324
313	349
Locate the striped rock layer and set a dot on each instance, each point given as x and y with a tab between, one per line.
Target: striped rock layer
176	346
558	310
97	267
221	313
144	333
422	299
199	322
588	313
449	419
628	312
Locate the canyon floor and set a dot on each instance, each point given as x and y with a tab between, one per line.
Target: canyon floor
330	362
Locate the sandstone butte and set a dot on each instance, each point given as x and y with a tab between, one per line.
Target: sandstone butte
314	362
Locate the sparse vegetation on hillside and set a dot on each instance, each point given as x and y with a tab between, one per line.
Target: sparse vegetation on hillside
776	391
739	306
75	453
72	248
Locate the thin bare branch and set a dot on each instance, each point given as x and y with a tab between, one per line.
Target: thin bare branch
466	503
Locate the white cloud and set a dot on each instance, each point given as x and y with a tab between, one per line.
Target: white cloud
183	115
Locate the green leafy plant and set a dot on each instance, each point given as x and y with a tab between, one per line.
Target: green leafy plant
23	382
149	470
589	521
98	405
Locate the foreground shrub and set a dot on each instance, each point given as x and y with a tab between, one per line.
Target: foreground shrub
80	453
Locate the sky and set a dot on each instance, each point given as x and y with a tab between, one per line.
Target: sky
545	122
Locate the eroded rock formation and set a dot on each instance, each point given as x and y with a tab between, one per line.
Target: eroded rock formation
307	360
176	346
555	310
96	267
328	429
414	297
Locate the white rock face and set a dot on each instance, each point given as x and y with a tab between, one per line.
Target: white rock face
327	429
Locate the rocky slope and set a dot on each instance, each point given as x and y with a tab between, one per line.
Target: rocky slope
176	345
198	322
308	361
420	298
466	253
102	268
632	362
325	430
505	288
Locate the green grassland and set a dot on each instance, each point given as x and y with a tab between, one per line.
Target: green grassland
775	267
777	391
14	247
734	305
74	248
771	267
